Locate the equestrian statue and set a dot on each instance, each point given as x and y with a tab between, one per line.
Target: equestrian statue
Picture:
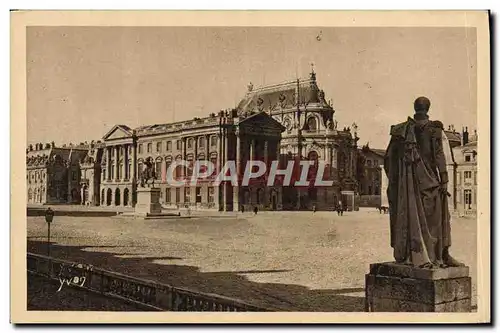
148	173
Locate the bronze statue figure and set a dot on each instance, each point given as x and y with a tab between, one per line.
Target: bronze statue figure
148	173
417	191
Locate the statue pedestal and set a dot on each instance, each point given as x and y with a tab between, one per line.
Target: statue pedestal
392	287
148	201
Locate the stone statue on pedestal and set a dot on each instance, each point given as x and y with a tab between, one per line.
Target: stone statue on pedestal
148	173
417	192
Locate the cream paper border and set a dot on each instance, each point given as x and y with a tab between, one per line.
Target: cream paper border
21	19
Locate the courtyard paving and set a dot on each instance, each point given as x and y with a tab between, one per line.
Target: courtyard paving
299	261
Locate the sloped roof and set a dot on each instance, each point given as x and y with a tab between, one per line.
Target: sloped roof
266	116
272	98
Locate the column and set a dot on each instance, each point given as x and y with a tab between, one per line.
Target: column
108	163
236	191
224	160
218	167
116	162
252	150
125	162
134	161
266	190
183	154
207	147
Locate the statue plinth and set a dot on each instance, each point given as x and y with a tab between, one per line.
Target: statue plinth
392	287
148	201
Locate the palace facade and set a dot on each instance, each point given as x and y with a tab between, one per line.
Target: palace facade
285	122
311	133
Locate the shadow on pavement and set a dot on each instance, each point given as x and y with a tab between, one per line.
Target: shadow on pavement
285	297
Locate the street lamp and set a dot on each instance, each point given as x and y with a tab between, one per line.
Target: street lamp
49	216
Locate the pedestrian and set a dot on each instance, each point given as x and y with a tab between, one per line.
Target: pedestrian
255	210
242	208
314	208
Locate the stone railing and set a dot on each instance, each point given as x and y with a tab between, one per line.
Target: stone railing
148	294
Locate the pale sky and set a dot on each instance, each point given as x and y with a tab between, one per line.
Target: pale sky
84	80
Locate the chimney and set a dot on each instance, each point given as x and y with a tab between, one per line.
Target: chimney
465	136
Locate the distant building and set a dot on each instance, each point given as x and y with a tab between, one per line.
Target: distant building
370	171
464	189
285	122
53	173
311	133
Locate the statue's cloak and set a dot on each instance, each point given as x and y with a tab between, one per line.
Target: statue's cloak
419	215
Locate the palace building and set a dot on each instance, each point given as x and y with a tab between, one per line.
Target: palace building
311	133
285	122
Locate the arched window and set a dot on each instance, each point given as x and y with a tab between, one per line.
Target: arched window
140	148
150	147
201	142
158	147
213	141
312	124
169	145
158	168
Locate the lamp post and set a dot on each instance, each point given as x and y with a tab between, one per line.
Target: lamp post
49	216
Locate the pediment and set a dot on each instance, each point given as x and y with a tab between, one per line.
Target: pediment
262	120
118	132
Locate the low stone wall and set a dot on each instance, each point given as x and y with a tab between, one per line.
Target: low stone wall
30	211
146	294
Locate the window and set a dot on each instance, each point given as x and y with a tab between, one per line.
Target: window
467	176
201	142
179	144
158	169
189	169
213	141
150	147
213	159
103	174
120	168
198	194
211	195
158	147
168	197
177	195
475	177
187	194
369	163
112	172
140	148
169	145
311	124
468	198
73	175
467	158
127	172
167	165
190	143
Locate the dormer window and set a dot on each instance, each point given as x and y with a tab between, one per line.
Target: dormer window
467	158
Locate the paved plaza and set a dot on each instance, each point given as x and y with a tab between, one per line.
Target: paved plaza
284	260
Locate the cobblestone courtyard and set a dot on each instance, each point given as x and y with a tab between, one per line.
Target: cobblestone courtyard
285	260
